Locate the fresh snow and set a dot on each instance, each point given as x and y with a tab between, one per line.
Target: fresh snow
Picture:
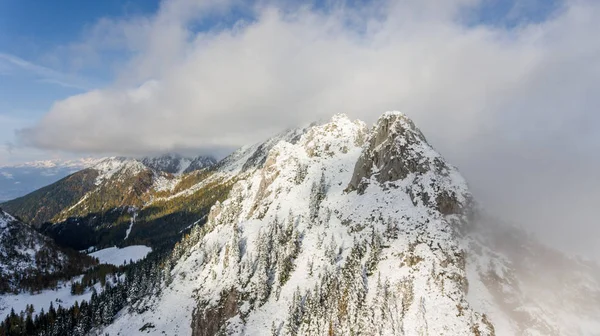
117	256
109	167
269	195
5	218
60	296
131	222
430	278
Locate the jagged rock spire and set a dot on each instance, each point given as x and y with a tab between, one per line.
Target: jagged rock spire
391	153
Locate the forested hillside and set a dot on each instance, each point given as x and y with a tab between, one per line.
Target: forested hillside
44	204
31	262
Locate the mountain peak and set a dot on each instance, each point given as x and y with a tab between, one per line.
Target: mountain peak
397	150
289	239
339	117
398	124
177	164
169	163
337	136
199	163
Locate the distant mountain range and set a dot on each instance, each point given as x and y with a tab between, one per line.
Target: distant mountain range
20	179
94	206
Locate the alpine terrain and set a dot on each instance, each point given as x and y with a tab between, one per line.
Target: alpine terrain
107	203
30	261
348	230
333	229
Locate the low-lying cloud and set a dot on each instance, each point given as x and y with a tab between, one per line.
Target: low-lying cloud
515	108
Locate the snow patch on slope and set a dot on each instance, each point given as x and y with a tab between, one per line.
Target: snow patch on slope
131	222
60	296
119	256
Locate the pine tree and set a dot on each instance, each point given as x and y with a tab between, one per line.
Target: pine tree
317	195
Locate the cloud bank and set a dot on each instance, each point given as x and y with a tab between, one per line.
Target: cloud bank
515	107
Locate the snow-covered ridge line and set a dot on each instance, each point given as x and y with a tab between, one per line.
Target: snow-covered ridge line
172	165
300	192
352	229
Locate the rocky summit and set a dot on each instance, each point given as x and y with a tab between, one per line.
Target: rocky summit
342	229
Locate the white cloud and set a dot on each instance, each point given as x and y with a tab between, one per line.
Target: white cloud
287	68
487	97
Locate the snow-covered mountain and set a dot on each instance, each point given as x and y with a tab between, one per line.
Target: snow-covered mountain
21	179
333	229
58	163
31	261
342	229
94	206
177	164
128	179
127	182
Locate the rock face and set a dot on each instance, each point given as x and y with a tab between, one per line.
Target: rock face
208	321
344	230
199	163
397	150
177	164
168	163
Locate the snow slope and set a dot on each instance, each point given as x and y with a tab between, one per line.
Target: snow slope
291	233
346	229
60	296
119	256
131	222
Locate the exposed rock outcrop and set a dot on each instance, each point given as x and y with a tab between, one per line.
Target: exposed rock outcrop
396	150
391	153
207	321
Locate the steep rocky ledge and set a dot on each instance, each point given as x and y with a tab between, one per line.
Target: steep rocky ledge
396	149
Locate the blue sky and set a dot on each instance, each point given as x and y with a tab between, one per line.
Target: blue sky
32	75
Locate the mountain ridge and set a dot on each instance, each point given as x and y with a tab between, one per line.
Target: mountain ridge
336	228
102	170
354	230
